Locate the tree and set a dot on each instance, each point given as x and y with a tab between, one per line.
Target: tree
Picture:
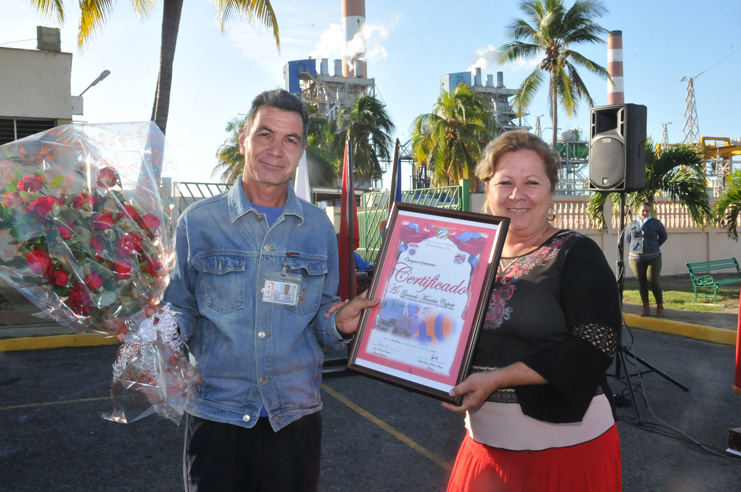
551	32
676	171
94	13
368	126
230	161
449	139
322	162
728	207
323	159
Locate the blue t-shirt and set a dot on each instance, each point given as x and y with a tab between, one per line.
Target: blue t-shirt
271	213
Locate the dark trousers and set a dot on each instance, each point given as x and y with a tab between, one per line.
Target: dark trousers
647	273
223	458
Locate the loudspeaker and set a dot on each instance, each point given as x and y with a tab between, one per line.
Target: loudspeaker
617	154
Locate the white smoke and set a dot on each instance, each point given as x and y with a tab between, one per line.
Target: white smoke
485	58
367	44
489	56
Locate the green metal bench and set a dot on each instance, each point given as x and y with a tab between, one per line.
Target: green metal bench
701	275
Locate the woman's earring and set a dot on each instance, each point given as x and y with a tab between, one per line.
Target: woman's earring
551	213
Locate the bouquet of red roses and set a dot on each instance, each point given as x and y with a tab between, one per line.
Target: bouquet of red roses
86	219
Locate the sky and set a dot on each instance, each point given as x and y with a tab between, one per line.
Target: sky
410	45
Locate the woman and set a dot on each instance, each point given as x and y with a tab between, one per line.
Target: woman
644	236
538	413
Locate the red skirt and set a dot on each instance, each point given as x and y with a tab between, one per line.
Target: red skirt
588	467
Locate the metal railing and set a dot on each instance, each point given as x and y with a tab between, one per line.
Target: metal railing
372	217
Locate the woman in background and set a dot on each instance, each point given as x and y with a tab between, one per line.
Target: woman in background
644	236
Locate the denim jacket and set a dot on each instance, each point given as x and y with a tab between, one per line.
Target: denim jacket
644	242
249	352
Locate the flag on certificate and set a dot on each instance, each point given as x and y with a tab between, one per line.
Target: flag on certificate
349	239
301	187
737	379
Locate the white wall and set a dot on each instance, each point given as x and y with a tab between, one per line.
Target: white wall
35	84
684	245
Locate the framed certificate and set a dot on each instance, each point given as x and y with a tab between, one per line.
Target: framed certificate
434	277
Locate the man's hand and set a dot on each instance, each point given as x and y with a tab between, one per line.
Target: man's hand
348	316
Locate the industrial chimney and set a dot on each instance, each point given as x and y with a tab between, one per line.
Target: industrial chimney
353	19
615	93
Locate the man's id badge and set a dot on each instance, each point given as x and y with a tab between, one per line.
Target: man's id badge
281	288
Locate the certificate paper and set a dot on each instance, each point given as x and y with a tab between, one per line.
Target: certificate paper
434	278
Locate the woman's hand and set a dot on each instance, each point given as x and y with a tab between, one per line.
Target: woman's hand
475	389
479	385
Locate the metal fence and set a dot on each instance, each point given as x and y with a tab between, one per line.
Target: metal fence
372	216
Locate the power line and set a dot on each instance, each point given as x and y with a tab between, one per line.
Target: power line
685	78
20	41
715	64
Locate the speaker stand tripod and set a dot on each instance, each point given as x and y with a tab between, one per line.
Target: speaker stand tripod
622	353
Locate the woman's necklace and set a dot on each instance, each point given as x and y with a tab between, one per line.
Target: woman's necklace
530	248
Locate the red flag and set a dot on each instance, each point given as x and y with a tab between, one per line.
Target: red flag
737	379
348	229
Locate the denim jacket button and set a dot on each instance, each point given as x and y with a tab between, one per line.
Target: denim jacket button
263	381
246	418
261	334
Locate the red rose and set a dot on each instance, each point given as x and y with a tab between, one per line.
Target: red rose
122	269
59	277
66	229
84	198
94	281
41	206
13	199
149	222
29	183
103	222
107	177
39	262
79	299
132	212
98	245
152	266
128	244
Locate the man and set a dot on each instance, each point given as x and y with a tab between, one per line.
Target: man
254	423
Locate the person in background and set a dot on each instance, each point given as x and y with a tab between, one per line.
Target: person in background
538	408
254	423
361	265
644	236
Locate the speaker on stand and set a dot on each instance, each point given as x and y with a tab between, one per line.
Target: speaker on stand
617	164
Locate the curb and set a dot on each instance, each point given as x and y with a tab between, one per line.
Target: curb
690	330
56	341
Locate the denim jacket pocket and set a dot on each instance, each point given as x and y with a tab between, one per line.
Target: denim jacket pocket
313	272
223	282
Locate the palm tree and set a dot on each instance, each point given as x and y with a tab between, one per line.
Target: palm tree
728	207
230	159
551	32
94	13
322	158
449	139
676	171
368	126
322	162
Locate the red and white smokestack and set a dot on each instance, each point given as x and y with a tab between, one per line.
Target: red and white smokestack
353	19
615	93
